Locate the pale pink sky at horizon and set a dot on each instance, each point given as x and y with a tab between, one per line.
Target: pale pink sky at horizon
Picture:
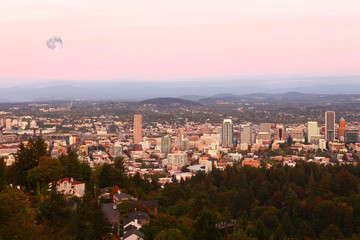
162	39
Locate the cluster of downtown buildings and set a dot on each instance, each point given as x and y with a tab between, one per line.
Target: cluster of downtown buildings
165	148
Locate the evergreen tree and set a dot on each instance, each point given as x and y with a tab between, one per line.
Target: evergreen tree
205	226
3	178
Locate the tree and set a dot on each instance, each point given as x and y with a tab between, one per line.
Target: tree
170	234
205	226
123	207
157	224
277	200
72	166
305	231
55	214
27	157
48	170
17	220
3	178
90	223
331	232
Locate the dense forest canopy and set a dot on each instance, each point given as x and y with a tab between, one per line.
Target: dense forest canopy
308	201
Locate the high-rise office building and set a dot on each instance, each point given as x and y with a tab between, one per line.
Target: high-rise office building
227	133
8	125
297	134
137	129
281	133
313	130
351	135
265	127
177	159
245	134
341	129
166	144
185	145
329	125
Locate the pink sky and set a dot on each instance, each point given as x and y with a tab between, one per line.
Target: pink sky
177	39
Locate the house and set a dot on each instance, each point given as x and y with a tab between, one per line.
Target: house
136	220
150	205
133	235
121	197
70	187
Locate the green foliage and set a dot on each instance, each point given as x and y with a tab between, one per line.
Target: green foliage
17	220
331	232
170	234
123	207
3	177
279	203
205	226
27	157
48	170
75	169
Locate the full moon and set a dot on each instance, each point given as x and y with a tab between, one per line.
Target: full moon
54	44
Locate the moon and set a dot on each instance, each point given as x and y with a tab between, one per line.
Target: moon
54	44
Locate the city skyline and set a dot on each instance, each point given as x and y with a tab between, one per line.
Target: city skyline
181	40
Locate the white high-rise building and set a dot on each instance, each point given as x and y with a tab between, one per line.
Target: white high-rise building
313	130
8	125
245	134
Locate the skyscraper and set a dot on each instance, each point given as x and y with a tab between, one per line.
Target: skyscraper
166	144
137	129
341	129
227	133
313	130
329	125
8	125
281	133
245	134
265	127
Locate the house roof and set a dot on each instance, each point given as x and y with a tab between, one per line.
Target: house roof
136	232
69	181
136	216
122	195
146	203
129	228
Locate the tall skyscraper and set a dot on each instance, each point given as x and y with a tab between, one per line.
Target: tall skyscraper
137	129
341	129
8	125
329	125
245	134
166	144
281	133
265	127
313	130
227	133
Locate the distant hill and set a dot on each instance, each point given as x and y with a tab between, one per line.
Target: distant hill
192	97
169	101
289	97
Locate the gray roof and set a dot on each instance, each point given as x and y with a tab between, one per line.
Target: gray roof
136	232
146	203
136	216
122	195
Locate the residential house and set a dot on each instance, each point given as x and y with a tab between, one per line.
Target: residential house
121	197
133	235
70	187
135	221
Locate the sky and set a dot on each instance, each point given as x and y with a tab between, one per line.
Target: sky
178	40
